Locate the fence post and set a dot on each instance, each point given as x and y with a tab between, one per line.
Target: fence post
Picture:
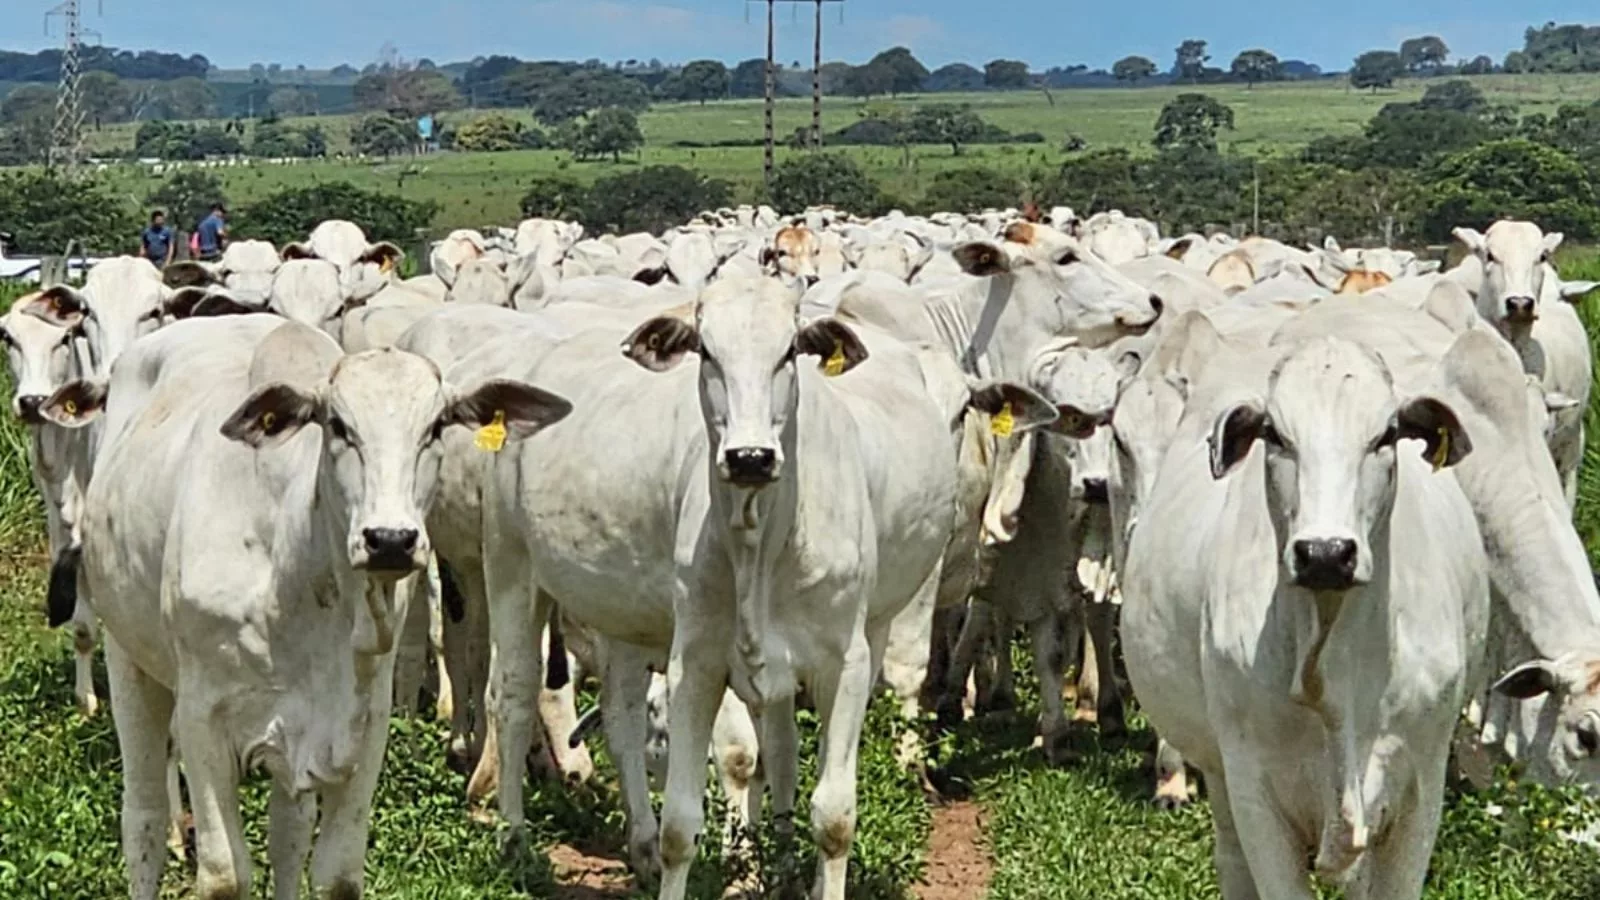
52	271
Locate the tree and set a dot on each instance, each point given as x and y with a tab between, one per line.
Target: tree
825	178
1191	60
1191	121
1253	66
749	79
407	92
492	134
1402	135
1133	69
970	191
954	77
105	98
44	211
1479	65
383	136
1005	74
902	72
652	199
258	72
187	197
1376	69
944	124
554	197
1510	179
1457	95
290	214
702	80
867	81
611	130
292	101
28	102
1424	55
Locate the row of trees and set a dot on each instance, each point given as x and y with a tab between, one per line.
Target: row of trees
153	65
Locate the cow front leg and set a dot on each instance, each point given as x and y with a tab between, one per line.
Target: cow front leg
338	860
516	666
1276	854
842	699
290	820
697	674
1053	731
905	666
622	699
223	872
1099	657
1172	777
84	632
142	711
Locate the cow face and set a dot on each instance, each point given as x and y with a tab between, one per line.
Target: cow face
1514	257
382	414
1053	276
750	341
1331	426
41	353
794	253
1573	685
122	300
1142	427
1083	386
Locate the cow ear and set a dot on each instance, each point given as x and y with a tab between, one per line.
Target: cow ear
444	271
651	276
1012	408
1234	433
1472	238
183	301
522	409
1179	248
221	303
296	250
76	403
1573	291
661	343
1555	401
1552	242
1128	364
386	255
1529	680
60	305
835	342
271	415
981	259
1432	422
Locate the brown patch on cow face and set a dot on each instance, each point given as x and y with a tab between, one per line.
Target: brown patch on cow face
1359	281
1021	233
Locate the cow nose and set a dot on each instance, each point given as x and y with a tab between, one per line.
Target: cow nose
1325	564
751	465
1519	307
390	547
1094	490
28	407
1589	737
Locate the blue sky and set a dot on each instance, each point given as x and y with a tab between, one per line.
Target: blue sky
322	33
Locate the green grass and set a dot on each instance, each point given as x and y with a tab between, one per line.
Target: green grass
479	189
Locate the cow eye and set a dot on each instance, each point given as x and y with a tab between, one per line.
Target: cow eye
337	429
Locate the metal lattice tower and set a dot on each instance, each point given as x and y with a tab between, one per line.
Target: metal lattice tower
66	138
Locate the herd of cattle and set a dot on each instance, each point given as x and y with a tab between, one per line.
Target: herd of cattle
761	461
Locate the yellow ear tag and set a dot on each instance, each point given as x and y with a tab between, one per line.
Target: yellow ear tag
835	364
267	420
387	265
1002	423
71	407
492	436
1442	455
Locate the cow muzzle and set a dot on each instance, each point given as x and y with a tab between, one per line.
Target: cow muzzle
28	406
391	550
1325	564
1520	310
750	466
1095	491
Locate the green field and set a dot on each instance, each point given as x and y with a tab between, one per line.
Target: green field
1085	832
480	189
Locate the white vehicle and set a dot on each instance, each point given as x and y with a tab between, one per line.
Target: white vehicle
26	268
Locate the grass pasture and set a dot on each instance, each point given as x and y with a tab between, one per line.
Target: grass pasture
1079	833
479	189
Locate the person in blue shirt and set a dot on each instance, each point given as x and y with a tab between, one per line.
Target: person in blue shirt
155	242
212	231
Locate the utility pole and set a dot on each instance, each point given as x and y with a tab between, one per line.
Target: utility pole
66	137
772	81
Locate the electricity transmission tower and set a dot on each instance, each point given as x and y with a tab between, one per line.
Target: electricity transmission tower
66	138
772	80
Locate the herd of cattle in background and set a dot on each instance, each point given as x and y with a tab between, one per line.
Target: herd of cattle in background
1324	496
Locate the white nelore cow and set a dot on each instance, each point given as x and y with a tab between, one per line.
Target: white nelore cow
245	568
1302	622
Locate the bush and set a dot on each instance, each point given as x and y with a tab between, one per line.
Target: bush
187	197
289	215
384	136
826	178
555	197
652	199
274	139
178	140
1510	179
44	211
970	191
497	134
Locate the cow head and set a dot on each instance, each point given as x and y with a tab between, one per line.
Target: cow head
793	253
40	349
1083	386
492	281
1331	425
1514	257
1075	292
751	344
382	414
1573	683
121	300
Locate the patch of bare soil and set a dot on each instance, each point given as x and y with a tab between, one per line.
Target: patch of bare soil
959	867
585	876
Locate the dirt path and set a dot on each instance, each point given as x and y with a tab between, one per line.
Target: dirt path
959	867
584	876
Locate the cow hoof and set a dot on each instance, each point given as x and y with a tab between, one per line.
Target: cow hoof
88	705
458	758
644	858
1172	793
1058	750
514	845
